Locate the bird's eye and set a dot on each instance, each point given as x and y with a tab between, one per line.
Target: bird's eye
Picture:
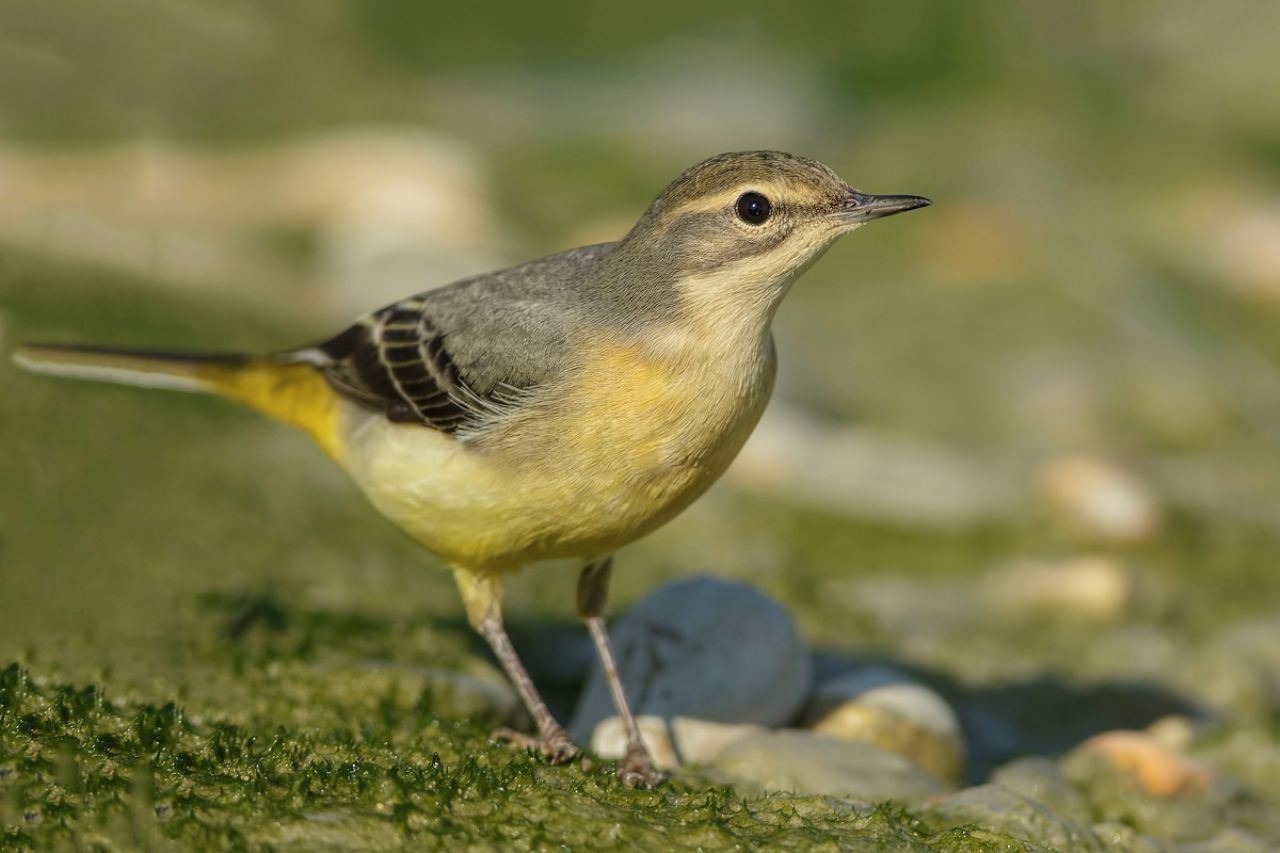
753	208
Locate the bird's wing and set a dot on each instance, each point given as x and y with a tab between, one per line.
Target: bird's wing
456	357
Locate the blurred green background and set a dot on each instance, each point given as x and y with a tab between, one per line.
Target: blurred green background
1072	358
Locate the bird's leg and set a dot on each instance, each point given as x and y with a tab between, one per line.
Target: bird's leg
482	597
593	588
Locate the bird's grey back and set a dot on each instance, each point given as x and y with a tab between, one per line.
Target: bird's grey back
448	357
512	327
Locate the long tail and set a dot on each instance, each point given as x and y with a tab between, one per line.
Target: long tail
286	387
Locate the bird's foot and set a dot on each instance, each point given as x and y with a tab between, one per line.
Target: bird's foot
637	770
554	744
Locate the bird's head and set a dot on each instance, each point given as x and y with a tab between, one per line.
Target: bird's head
747	223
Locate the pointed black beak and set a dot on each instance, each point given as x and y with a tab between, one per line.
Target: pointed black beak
860	207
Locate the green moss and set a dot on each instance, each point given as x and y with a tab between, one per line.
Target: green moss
76	763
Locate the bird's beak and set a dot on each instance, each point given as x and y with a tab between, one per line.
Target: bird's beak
860	207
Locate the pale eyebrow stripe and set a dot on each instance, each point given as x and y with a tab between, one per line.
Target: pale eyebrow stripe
725	198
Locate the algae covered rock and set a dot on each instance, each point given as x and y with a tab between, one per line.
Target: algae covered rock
806	763
998	808
1043	781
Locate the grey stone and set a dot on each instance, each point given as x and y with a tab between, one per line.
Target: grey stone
704	648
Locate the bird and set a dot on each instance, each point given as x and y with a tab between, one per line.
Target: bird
559	409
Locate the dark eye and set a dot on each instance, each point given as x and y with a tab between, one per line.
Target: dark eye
753	208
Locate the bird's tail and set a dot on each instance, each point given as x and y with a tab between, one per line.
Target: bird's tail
285	386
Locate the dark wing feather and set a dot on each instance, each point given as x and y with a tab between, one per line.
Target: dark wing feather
396	361
453	357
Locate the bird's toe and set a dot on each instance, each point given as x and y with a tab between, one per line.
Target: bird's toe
556	746
637	770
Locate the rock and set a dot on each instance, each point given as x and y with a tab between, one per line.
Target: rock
702	741
1132	778
1174	731
609	740
392	210
865	473
397	211
1093	587
1098	499
682	740
704	648
1041	779
806	763
1161	770
1240	249
997	808
880	706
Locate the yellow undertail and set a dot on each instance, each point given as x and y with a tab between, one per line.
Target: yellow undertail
289	391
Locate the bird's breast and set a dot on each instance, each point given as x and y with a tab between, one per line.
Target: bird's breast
645	428
626	440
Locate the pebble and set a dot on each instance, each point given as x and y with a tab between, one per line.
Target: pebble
866	473
806	763
705	648
672	743
1130	777
995	807
1090	587
881	706
1239	248
1161	770
1099	499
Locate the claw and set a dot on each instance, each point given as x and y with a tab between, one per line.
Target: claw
637	770
558	748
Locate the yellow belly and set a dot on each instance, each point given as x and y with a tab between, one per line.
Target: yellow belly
593	466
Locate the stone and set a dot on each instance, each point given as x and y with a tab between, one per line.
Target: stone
702	741
806	763
1161	770
865	473
1174	731
704	648
1042	780
391	210
1132	778
672	743
881	706
609	740
1240	250
1089	587
997	808
1099	499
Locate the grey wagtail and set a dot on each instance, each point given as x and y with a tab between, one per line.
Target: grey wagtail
558	409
